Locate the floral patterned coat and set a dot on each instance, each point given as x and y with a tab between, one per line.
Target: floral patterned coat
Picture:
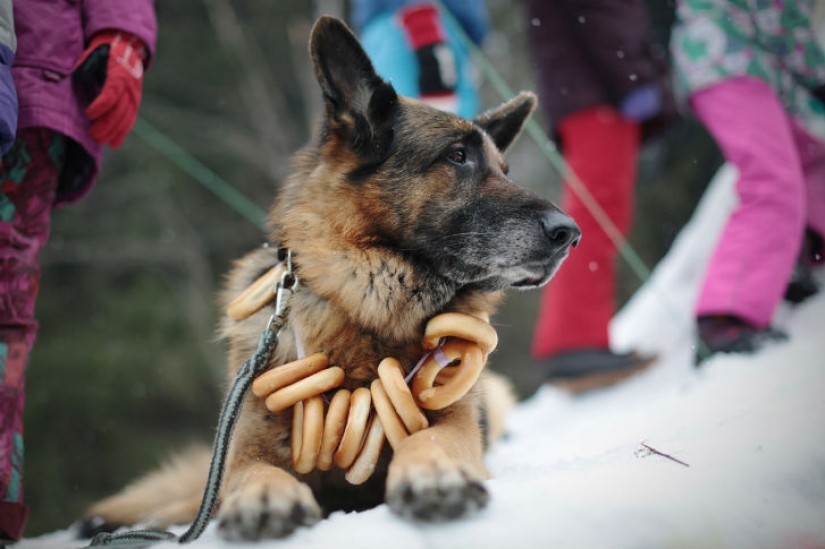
713	40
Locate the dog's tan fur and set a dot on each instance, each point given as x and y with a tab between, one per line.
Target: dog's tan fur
398	212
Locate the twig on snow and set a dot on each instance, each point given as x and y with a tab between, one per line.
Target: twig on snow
651	450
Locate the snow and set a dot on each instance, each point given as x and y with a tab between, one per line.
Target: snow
573	471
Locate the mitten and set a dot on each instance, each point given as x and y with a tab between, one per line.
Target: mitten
111	69
643	103
437	66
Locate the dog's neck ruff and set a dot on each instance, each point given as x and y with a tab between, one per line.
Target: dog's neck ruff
335	427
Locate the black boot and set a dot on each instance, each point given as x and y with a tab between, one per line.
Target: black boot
730	334
585	369
802	283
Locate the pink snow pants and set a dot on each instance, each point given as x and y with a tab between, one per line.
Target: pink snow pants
781	190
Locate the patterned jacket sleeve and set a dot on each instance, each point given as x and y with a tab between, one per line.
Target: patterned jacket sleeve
806	63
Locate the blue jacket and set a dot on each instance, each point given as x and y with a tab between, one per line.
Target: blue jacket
471	14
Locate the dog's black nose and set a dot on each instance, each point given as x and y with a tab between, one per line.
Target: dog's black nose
561	229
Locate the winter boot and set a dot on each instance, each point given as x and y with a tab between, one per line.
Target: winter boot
730	334
581	370
802	283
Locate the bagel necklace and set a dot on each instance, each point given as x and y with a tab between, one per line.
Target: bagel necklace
348	429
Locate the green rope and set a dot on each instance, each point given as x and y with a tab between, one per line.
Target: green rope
200	173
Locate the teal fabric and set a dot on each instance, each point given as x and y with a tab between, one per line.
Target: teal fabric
385	42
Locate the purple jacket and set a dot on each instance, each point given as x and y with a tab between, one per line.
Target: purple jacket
51	36
595	52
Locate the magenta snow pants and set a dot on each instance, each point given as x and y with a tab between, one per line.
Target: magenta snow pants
781	189
29	176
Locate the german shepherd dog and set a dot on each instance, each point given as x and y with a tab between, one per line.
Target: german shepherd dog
395	213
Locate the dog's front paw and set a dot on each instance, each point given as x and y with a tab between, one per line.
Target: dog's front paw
265	508
436	492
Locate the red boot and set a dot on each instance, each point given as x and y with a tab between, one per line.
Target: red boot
571	335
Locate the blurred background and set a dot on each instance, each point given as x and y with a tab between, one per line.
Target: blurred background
126	368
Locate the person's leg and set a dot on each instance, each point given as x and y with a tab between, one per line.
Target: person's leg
576	307
28	183
752	261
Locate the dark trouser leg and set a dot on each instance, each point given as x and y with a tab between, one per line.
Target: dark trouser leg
28	182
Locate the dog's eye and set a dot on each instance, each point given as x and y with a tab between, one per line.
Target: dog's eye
457	155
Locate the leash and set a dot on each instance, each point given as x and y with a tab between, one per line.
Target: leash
226	423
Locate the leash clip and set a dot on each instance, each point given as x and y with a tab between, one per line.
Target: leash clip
283	291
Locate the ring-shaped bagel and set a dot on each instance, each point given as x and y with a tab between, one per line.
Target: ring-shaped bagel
460	326
257	295
466	374
316	384
307	430
359	414
392	424
392	378
287	374
334	425
364	465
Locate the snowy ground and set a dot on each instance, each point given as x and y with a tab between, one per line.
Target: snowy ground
573	471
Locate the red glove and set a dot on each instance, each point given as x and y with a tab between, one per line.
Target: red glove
114	110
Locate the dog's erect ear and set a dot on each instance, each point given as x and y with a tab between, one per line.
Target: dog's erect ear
504	123
358	101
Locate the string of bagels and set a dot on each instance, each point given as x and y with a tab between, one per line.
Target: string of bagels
348	429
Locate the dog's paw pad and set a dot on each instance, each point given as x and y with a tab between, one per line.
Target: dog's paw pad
446	495
266	515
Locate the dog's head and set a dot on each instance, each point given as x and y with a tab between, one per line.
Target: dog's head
391	171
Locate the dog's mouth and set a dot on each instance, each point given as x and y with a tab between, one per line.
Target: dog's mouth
533	276
535	281
500	272
529	283
536	274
